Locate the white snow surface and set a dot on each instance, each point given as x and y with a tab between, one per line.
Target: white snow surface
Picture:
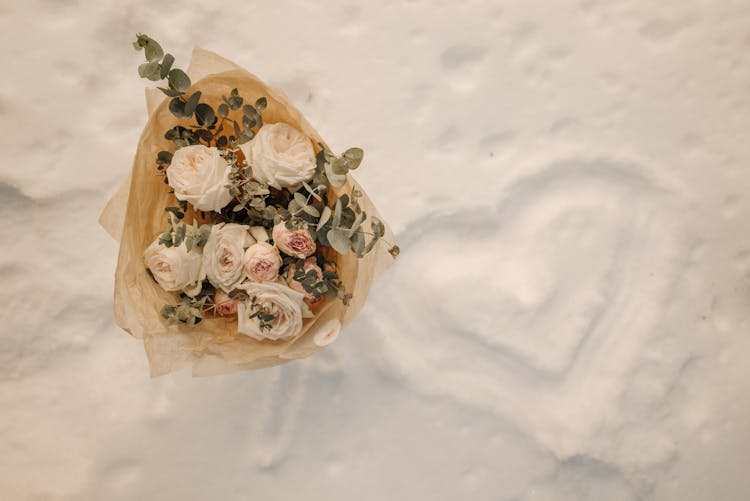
568	320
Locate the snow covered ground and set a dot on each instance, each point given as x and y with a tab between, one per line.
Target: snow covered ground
569	319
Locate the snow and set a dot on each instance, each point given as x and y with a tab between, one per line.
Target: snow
569	316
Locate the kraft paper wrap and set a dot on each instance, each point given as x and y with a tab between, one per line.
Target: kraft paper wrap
135	216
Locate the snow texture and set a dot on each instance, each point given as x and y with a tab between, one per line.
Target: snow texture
568	320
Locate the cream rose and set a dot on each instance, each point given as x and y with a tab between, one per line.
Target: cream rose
295	243
274	299
224	255
262	262
199	175
281	156
174	268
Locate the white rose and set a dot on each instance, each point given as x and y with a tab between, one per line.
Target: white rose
199	175
174	268
281	156
274	299
224	255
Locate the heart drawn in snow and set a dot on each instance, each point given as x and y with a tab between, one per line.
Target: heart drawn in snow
535	308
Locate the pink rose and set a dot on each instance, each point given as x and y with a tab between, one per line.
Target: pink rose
295	243
225	305
262	262
310	264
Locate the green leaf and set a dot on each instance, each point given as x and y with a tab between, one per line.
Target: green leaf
178	80
358	221
340	166
140	41
248	123
312	192
336	214
191	103
378	228
339	241
261	103
357	241
354	157
234	101
300	199
311	210
223	110
336	180
154	51
325	216
179	234
170	92
205	115
166	65
164	157
177	107
149	70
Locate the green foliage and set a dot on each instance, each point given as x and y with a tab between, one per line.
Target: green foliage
188	311
178	80
264	317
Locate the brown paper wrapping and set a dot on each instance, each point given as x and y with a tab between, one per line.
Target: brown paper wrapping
135	216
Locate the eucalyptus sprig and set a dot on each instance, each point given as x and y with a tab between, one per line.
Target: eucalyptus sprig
332	170
159	66
264	317
188	311
327	286
179	231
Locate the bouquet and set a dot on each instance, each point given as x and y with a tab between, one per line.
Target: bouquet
244	241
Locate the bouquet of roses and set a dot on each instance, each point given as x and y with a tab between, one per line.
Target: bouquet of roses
245	242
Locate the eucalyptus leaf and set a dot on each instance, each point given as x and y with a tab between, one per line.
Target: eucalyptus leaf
166	65
248	122
357	241
378	228
354	157
324	216
191	103
358	221
336	214
205	115
334	179
223	110
170	92
340	166
178	80
339	241
177	107
312	192
154	51
311	210
300	199
179	234
149	70
261	104
163	157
